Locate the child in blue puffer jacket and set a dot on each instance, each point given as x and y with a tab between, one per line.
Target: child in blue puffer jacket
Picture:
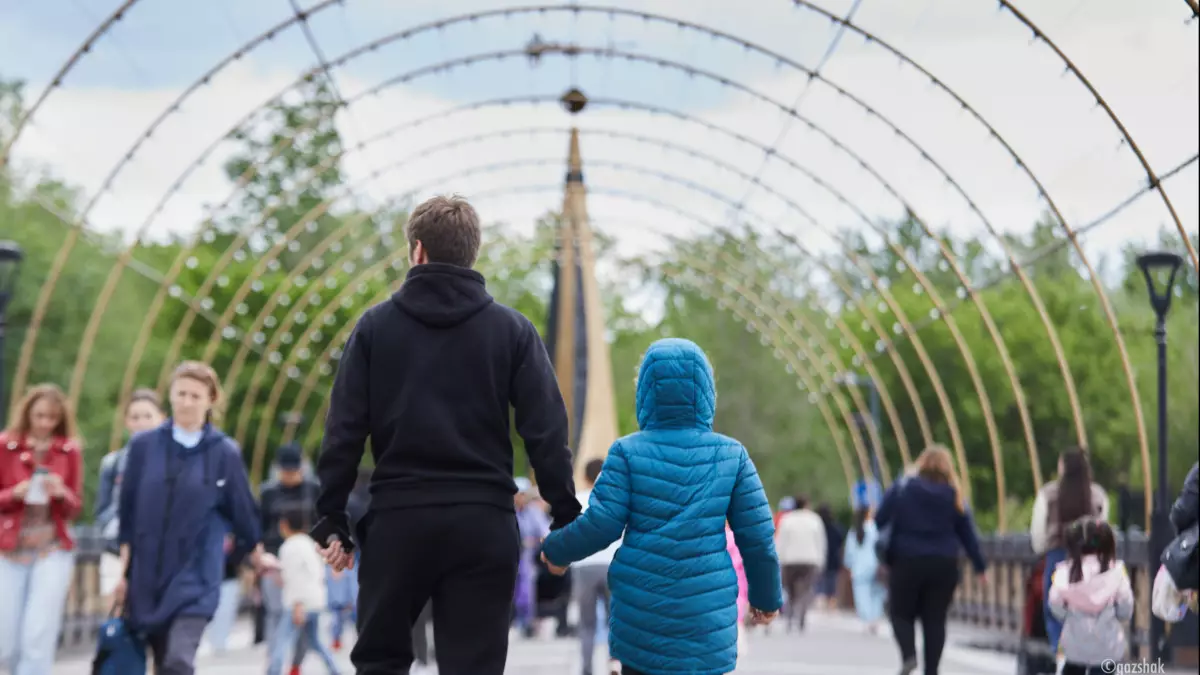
670	488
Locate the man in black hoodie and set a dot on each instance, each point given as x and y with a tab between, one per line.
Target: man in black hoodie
429	377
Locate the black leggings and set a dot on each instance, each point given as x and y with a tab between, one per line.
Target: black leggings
921	589
1076	669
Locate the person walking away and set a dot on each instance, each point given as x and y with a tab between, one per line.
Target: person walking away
1073	495
533	525
591	579
429	377
743	598
1091	594
835	537
292	489
143	412
670	488
221	625
785	505
41	482
929	525
185	489
860	558
801	543
340	591
302	574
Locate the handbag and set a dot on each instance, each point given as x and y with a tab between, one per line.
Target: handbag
119	650
1180	560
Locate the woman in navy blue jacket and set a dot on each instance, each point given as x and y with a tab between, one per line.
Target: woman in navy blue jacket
929	525
185	489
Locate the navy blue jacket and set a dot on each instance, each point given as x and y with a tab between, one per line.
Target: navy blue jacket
926	522
177	505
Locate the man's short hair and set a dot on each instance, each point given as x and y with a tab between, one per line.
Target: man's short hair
591	470
801	502
448	229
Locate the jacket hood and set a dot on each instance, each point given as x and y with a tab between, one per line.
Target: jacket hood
441	295
1097	590
675	387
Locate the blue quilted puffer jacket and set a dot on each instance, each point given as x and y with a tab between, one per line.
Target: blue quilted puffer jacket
670	488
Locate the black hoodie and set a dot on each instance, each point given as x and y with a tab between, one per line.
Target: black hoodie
429	376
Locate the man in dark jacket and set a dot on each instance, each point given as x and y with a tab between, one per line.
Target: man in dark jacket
1186	511
429	376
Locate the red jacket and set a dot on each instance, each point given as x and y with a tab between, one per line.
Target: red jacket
65	459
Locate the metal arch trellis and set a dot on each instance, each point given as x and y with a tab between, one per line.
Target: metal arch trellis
948	255
325	66
1154	182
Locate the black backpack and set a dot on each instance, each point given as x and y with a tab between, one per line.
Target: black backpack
1181	561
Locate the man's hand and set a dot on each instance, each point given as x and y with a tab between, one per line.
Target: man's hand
298	616
761	618
336	557
982	578
554	569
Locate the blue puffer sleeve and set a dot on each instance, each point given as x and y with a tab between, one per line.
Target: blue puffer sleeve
754	532
603	521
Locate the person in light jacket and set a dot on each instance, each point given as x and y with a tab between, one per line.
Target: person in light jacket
803	548
860	558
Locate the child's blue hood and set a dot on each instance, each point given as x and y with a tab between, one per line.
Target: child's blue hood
675	387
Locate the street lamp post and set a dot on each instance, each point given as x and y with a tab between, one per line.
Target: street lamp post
852	379
10	264
1160	270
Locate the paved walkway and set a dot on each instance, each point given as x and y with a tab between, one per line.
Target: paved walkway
832	645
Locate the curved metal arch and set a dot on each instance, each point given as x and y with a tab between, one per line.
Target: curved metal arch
780	59
1151	177
250	400
335	343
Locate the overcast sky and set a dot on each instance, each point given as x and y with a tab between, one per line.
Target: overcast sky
1141	56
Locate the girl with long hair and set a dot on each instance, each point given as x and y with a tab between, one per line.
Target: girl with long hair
1091	594
185	492
929	525
1073	495
143	412
860	558
41	481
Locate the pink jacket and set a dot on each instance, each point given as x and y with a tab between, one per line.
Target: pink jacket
740	569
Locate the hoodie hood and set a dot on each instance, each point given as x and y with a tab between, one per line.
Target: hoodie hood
675	387
441	295
1097	590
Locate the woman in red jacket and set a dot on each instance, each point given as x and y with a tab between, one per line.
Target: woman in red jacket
40	484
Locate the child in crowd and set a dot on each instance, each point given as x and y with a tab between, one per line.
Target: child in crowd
342	590
304	598
1090	593
670	489
743	601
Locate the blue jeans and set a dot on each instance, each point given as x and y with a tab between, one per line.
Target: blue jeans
284	639
35	596
1054	627
222	622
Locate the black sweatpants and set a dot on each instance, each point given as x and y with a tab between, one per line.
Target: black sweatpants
922	589
463	558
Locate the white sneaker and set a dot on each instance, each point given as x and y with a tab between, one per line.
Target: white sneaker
614	667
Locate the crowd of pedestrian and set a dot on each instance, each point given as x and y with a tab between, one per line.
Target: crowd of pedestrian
668	553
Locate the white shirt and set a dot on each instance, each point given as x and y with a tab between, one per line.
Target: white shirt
303	573
800	539
604	557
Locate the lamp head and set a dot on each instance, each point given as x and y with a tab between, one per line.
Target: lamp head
574	101
1160	269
